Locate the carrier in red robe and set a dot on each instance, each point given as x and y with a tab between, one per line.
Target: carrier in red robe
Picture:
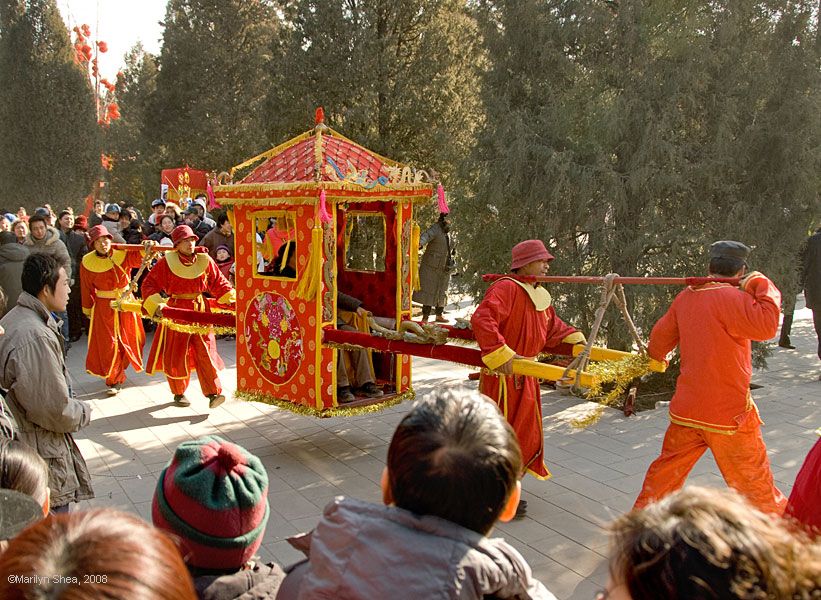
183	279
115	338
515	318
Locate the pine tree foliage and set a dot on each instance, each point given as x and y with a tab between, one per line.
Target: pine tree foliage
213	79
50	141
398	77
632	134
136	163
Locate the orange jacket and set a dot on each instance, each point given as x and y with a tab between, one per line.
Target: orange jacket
712	325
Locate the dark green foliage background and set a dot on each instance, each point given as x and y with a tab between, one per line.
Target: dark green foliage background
628	135
49	139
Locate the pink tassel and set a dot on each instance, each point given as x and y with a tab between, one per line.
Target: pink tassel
443	204
212	199
324	216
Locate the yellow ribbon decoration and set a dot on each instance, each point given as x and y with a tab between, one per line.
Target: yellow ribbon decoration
309	283
414	257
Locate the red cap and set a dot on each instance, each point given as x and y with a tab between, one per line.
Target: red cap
81	222
527	252
96	232
182	232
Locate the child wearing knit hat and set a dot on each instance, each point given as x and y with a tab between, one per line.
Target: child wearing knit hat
213	496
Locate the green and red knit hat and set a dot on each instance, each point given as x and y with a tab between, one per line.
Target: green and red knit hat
214	496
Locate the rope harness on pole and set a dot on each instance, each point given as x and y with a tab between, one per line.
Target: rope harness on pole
612	291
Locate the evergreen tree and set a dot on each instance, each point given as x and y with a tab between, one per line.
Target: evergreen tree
50	141
632	134
398	77
213	78
135	173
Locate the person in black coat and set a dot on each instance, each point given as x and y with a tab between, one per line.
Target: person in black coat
811	279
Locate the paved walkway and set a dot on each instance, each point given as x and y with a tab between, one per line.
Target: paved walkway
597	472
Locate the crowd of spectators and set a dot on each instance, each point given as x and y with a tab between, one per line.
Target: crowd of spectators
451	476
65	236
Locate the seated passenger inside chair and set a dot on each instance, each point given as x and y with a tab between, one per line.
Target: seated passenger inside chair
359	360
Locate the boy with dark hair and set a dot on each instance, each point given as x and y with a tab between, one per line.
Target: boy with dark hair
454	458
453	469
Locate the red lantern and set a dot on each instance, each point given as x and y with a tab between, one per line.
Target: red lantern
102	46
86	30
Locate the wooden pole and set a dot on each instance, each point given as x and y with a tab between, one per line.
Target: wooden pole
623	280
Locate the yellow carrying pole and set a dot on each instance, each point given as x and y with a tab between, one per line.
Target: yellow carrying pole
532	368
599	353
134	307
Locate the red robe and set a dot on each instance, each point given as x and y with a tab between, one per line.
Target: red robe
507	322
176	353
805	499
115	338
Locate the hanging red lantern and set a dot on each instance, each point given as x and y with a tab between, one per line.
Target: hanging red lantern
113	111
103	47
86	29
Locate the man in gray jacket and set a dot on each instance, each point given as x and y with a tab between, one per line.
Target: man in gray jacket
45	239
33	371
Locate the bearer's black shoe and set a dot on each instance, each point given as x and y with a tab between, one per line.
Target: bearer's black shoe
521	511
181	400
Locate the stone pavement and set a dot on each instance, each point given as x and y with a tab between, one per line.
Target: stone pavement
597	472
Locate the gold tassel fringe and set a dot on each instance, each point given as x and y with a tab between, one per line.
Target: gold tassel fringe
617	372
194	328
324	413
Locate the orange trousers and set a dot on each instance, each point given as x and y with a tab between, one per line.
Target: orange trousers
741	457
197	354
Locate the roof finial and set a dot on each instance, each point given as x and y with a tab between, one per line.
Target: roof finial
319	119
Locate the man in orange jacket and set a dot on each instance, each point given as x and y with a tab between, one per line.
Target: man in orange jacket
713	324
